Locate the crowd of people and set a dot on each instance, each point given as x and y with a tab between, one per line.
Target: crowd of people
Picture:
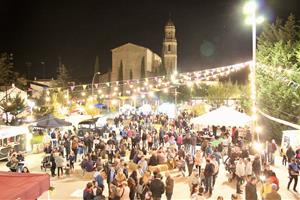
133	157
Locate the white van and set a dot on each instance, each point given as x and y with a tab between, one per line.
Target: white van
291	137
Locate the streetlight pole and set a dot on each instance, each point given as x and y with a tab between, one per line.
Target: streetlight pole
250	10
95	74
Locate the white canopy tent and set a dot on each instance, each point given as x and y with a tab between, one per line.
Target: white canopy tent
223	116
168	109
126	109
145	109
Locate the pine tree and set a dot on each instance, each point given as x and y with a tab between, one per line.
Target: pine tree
63	76
120	76
6	66
97	65
143	70
278	47
162	70
130	74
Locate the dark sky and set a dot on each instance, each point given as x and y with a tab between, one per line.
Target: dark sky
209	32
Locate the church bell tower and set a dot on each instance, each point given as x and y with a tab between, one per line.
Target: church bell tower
170	48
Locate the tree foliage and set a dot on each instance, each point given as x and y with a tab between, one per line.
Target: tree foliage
143	68
120	75
6	66
13	105
220	93
130	74
278	56
161	70
63	76
42	106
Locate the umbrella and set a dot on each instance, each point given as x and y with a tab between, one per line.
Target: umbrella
49	121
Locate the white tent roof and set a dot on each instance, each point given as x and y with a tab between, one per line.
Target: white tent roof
168	109
223	116
126	108
10	131
145	109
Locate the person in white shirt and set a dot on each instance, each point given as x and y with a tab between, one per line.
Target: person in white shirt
248	168
240	173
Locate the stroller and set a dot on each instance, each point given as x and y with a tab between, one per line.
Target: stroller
46	163
230	166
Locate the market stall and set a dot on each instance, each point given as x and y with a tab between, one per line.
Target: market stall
17	137
291	138
223	116
49	121
145	109
23	185
168	109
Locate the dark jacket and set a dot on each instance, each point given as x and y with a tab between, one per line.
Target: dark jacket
251	193
169	185
157	188
88	194
153	161
209	170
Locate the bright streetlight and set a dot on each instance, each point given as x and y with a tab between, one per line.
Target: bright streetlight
249	10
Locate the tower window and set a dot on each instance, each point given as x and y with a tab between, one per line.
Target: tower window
169	47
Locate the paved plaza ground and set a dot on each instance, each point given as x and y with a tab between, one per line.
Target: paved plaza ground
68	188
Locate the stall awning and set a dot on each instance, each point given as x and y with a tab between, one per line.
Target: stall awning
23	185
49	121
223	116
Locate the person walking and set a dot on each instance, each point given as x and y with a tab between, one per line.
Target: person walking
283	154
256	166
53	165
169	186
190	162
240	173
208	173
250	190
59	160
157	187
290	153
294	173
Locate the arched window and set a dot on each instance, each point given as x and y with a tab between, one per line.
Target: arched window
169	47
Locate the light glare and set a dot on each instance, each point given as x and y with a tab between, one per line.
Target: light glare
250	7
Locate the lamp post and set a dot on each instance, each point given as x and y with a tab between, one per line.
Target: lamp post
95	74
250	9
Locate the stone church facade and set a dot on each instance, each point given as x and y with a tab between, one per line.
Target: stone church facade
132	57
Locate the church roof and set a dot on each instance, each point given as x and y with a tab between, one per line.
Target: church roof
127	45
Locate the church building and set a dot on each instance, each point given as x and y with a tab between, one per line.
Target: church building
132	61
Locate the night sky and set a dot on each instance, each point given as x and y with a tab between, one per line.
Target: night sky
210	33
